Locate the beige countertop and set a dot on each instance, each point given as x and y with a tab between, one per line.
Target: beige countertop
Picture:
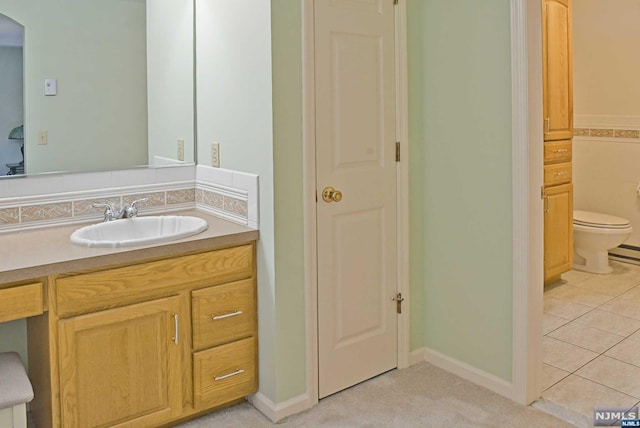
32	254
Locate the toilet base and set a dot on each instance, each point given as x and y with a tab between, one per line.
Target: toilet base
592	261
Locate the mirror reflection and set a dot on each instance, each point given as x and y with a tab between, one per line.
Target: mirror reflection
105	85
11	94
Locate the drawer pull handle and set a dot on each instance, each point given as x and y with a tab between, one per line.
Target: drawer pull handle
561	150
175	324
560	173
236	373
221	317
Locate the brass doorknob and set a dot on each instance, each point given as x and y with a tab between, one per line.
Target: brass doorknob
329	194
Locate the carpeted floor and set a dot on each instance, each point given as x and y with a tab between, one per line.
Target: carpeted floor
420	396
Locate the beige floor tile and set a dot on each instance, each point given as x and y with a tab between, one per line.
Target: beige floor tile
633	295
552	375
577	295
622	306
551	322
564	308
608	321
635	336
615	374
627	351
586	337
623	279
563	355
583	396
574	276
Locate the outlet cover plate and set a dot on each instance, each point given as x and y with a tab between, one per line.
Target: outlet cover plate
215	154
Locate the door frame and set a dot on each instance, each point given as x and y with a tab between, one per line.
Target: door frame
309	190
527	179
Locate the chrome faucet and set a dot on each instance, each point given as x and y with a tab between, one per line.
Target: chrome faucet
127	211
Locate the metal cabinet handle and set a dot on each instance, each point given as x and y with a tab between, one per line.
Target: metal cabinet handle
175	324
546	204
547	121
561	150
236	373
221	317
561	173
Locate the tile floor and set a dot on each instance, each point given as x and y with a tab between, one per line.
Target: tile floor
591	344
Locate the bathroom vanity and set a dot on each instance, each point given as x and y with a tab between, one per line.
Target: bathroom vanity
136	337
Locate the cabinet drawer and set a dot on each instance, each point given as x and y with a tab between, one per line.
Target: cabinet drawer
116	287
225	373
20	302
223	313
557	174
557	151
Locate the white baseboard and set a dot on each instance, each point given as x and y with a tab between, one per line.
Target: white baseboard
277	412
464	370
417	356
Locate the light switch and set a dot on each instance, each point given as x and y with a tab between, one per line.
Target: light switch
43	138
50	87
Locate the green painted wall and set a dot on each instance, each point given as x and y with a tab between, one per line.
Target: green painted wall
460	184
416	200
466	181
286	33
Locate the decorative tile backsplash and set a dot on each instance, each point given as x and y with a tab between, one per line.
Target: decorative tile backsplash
204	193
31	213
607	133
10	215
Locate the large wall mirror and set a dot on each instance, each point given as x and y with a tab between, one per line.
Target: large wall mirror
97	84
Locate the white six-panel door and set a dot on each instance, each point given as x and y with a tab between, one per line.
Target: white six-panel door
355	154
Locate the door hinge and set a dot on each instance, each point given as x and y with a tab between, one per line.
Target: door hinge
398	299
397	151
395	1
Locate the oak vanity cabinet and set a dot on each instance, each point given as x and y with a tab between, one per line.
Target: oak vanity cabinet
558	133
148	344
120	365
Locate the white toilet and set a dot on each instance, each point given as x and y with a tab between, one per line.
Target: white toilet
593	235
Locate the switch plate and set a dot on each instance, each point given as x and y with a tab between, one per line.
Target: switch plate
180	149
43	138
215	154
50	87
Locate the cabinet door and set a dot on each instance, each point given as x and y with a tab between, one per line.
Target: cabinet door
558	230
557	69
122	367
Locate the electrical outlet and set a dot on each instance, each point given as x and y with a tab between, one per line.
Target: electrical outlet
215	154
43	137
180	149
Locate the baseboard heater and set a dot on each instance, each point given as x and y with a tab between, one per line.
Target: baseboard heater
626	253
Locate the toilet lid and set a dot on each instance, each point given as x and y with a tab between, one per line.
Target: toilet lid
591	219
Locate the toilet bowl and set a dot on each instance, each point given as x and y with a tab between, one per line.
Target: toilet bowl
593	235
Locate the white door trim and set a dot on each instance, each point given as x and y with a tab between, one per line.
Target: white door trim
309	193
527	166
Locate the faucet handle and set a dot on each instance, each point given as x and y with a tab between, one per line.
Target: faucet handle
132	210
109	213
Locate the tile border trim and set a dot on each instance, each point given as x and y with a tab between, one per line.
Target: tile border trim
233	203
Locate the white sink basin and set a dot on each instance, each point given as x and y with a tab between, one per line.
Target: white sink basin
138	231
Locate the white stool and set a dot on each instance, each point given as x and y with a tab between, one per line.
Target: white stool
15	391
